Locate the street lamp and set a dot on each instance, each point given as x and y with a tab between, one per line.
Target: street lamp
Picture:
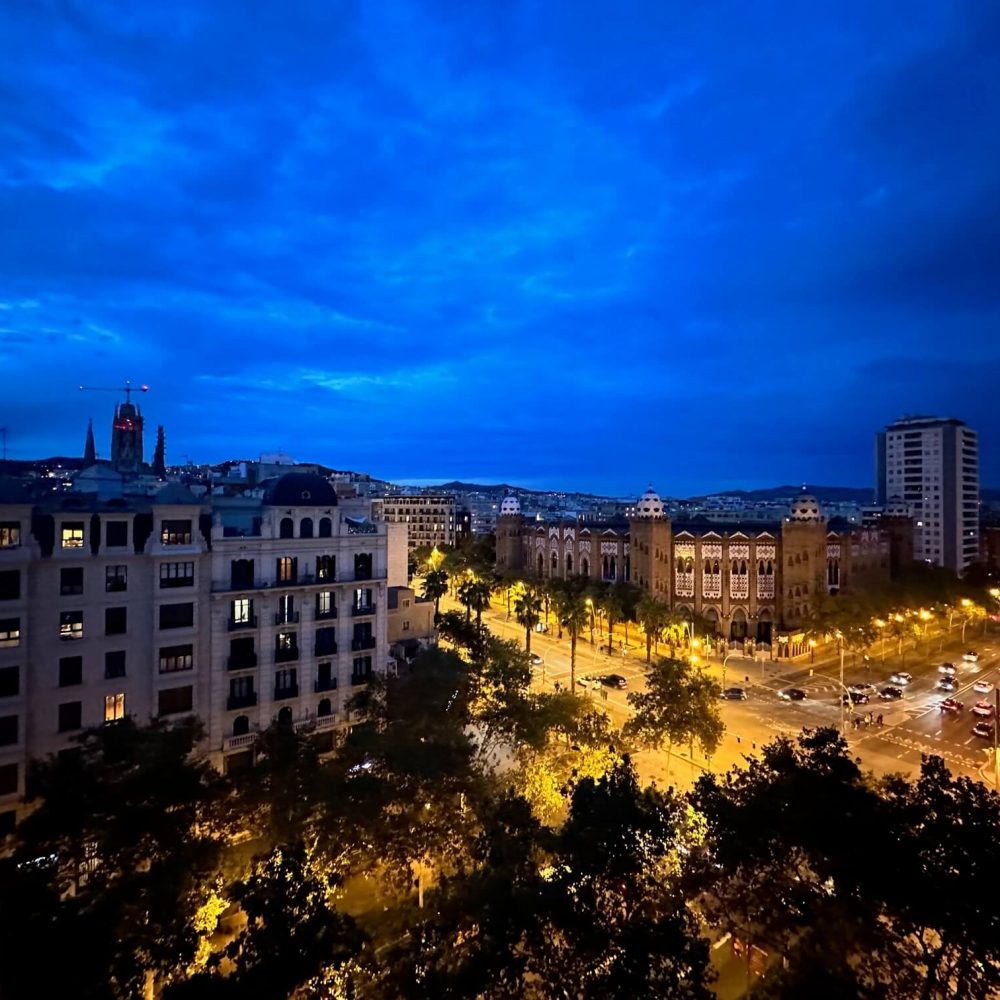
812	650
843	719
590	605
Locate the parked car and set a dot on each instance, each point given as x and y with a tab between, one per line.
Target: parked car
983	730
792	694
891	693
541	627
585	682
734	694
902	679
947	684
614	681
983	708
854	698
971	656
948	669
536	660
982	687
950	705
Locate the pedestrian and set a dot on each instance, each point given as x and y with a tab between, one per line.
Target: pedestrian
880	719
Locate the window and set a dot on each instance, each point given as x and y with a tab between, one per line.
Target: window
116	534
115	621
175	658
70	625
241	693
114	664
70	716
8	730
306	528
286	610
114	707
286	683
8	779
326	641
363	566
286	647
325	607
287	528
71	581
10	585
70	671
10	681
172	701
175	533
326	679
241	574
324	527
406	626
361	669
10	632
72	535
115	579
326	567
363	599
242	611
177	574
10	534
176	616
287	569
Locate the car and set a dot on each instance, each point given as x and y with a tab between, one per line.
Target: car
982	687
983	708
947	684
614	681
950	705
902	679
792	694
585	682
536	660
734	694
854	698
983	729
891	693
868	689
971	656
541	627
948	669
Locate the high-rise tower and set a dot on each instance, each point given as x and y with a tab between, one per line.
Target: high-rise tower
932	465
89	451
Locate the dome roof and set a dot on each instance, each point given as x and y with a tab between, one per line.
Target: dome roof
509	506
805	508
299	489
649	504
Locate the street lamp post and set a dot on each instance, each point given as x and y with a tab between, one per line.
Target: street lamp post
843	706
812	650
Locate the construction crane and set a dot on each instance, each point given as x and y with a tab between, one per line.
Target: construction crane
127	388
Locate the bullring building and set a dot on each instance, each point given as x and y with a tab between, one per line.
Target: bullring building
237	609
756	584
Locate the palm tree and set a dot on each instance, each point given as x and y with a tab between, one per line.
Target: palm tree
465	595
653	616
573	616
614	610
527	610
479	599
629	595
435	586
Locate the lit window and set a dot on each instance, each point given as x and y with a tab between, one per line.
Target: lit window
114	707
176	533
72	535
10	632
10	534
71	625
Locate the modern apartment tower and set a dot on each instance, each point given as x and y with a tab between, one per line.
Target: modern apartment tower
932	465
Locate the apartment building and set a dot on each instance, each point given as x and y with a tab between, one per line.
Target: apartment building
932	465
430	518
237	610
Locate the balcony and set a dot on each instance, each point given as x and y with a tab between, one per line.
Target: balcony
237	742
357	679
286	655
235	701
286	618
325	649
235	625
242	661
325	685
116	585
360	575
329	613
366	643
281	693
362	609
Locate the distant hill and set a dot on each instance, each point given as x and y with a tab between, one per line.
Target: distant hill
839	494
496	488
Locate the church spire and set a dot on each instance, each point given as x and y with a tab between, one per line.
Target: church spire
159	455
89	451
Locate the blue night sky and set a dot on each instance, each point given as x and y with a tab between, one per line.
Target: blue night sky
572	244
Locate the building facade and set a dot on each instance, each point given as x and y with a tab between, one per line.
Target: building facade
237	610
932	465
430	518
759	584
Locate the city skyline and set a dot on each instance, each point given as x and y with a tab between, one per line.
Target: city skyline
719	249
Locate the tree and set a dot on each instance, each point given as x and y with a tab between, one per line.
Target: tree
435	586
653	616
108	869
614	610
465	595
527	611
679	704
479	598
629	596
573	615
